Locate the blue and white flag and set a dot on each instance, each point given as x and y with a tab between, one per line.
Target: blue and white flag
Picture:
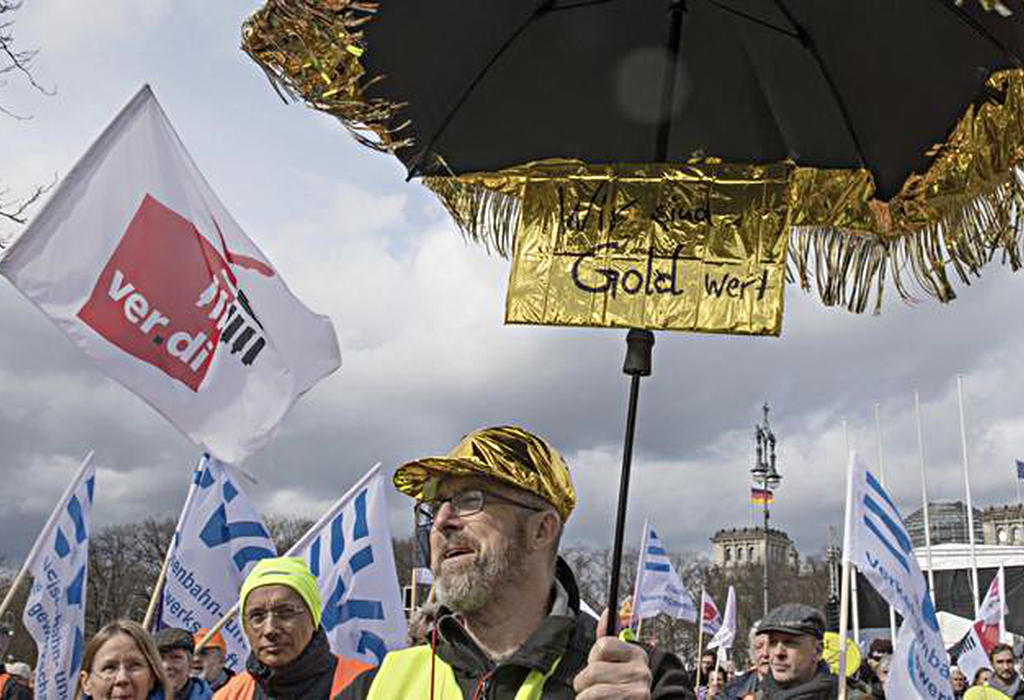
219	538
658	586
876	541
1020	469
59	565
350	552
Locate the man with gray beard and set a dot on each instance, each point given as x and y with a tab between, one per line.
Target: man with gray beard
509	623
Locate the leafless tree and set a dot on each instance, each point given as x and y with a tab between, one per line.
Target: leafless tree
16	63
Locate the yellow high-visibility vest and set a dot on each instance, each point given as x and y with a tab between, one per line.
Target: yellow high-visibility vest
406	674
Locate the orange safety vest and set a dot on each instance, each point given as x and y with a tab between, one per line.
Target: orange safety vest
243	685
4	677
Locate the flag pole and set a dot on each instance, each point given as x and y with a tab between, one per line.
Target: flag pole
38	544
844	593
1002	603
967	490
298	547
924	497
853	570
700	637
161	578
881	475
635	614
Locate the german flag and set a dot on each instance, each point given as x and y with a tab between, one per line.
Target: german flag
759	497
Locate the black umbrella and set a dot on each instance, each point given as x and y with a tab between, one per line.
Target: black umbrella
901	124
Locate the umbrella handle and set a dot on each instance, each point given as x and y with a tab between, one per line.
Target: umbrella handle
638	364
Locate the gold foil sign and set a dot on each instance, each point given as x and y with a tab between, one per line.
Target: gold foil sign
694	248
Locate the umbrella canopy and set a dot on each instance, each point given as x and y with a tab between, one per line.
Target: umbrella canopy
901	124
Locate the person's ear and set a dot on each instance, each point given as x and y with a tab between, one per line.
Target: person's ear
544	530
86	682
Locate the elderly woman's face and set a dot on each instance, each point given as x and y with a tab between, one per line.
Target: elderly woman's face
119	672
278	624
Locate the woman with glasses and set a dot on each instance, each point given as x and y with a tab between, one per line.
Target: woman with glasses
121	661
290	656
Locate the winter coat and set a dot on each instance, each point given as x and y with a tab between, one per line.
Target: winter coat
567	636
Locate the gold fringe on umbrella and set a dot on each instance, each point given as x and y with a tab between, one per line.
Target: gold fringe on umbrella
310	50
964	210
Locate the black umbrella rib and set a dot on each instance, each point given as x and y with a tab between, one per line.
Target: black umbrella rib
980	29
755	20
808	43
416	168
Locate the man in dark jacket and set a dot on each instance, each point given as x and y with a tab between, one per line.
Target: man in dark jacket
509	624
291	658
795	634
749	682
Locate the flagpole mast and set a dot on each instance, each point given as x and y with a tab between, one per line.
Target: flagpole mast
853	569
881	474
700	637
967	489
924	497
50	522
844	593
639	575
158	588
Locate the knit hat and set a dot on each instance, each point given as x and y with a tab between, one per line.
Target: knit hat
285	571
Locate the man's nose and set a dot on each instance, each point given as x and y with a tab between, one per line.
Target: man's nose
446	518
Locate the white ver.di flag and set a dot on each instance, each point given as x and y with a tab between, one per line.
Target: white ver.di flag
658	586
55	612
138	262
710	617
876	541
987	630
726	634
219	538
350	552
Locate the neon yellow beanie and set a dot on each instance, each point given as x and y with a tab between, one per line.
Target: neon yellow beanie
285	571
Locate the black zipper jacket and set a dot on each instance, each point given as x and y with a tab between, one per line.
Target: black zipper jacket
567	636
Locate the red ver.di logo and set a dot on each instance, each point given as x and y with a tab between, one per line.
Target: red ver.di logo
168	297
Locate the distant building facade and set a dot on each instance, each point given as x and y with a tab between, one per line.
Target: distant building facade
948	524
1003	524
735	547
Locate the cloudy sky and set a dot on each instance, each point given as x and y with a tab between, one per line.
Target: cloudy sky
426	357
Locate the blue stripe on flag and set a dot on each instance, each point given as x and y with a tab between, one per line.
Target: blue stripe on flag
877	487
361	559
252	553
60	544
361	529
337	538
75	511
314	558
218	530
369	642
361	610
76	652
658	551
75	589
229	491
892	550
651	566
90	486
895	528
204	478
1020	469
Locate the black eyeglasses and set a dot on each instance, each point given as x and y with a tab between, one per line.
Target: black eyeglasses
466	503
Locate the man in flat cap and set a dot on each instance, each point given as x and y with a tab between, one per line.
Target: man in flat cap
795	632
509	622
176	647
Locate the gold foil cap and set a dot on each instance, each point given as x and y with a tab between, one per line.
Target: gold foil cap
508	454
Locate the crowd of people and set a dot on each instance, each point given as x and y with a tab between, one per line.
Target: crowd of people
507	621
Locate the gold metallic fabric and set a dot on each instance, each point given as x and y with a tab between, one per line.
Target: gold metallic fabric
310	49
507	454
697	248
